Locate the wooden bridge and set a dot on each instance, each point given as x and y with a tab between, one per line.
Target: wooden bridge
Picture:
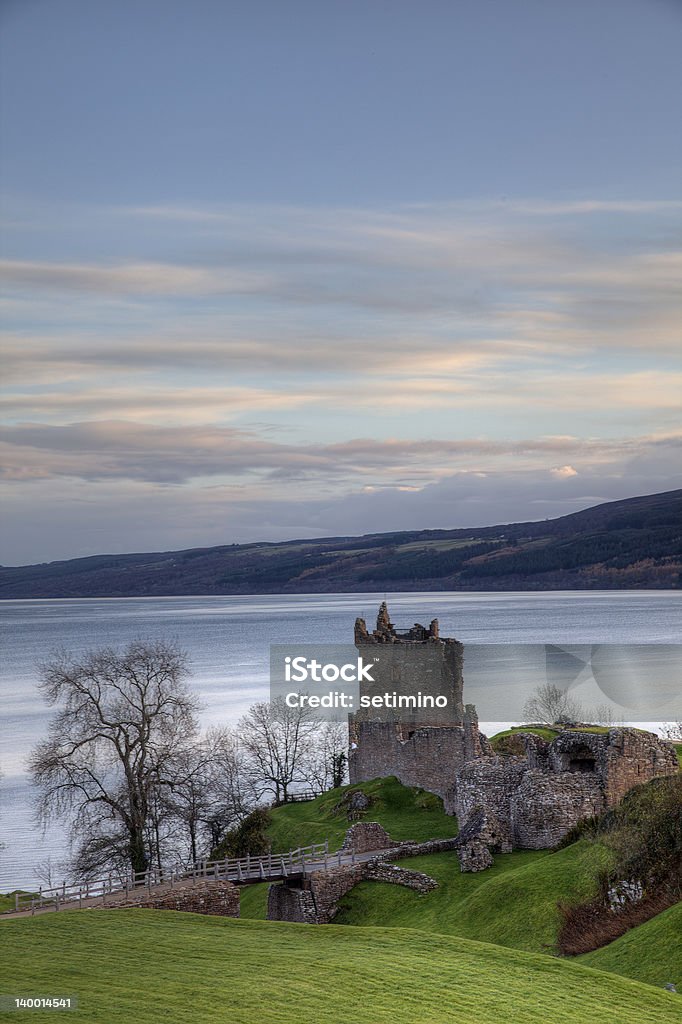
112	890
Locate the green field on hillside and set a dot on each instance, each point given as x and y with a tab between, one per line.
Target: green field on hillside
405	813
652	952
7	901
142	966
513	904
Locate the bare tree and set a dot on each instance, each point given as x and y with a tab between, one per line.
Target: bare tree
48	871
551	705
206	794
277	741
328	761
123	721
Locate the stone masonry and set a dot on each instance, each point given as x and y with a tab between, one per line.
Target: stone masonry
531	802
316	900
419	748
210	897
366	836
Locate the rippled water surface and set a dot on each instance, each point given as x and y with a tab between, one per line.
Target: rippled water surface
228	641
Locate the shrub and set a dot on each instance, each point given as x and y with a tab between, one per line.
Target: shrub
248	838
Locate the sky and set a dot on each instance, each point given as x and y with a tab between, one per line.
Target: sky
275	270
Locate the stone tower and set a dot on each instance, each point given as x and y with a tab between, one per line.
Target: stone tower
421	746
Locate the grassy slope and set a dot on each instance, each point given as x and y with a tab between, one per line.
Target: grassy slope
652	952
7	899
513	904
143	966
405	813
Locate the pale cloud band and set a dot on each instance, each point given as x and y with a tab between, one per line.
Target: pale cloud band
382	359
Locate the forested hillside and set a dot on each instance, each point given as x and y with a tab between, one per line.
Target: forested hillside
634	543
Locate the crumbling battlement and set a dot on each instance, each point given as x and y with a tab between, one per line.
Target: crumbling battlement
386	633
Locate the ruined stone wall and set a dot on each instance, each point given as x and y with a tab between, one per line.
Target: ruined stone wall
210	897
489	785
365	836
546	806
535	800
327	888
412	849
429	758
633	757
317	901
394	875
286	903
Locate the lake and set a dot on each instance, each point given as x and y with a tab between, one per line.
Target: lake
228	640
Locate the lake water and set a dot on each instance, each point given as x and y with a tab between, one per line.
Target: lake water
228	640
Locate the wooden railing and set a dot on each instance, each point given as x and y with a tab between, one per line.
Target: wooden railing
242	870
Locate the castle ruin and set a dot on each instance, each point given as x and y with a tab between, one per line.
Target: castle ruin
420	747
501	802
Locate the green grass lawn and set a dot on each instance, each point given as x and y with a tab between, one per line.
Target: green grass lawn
652	952
7	901
404	812
514	903
140	967
543	731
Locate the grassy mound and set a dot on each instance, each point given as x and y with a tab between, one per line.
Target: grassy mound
514	903
651	952
509	741
405	813
143	966
7	901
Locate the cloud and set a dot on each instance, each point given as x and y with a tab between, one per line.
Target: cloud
123	450
383	352
142	279
83	517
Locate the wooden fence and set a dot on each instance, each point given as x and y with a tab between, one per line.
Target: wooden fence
240	870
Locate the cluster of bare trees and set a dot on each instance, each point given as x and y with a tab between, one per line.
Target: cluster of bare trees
125	762
550	705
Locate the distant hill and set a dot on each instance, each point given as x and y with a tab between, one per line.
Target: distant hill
633	543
